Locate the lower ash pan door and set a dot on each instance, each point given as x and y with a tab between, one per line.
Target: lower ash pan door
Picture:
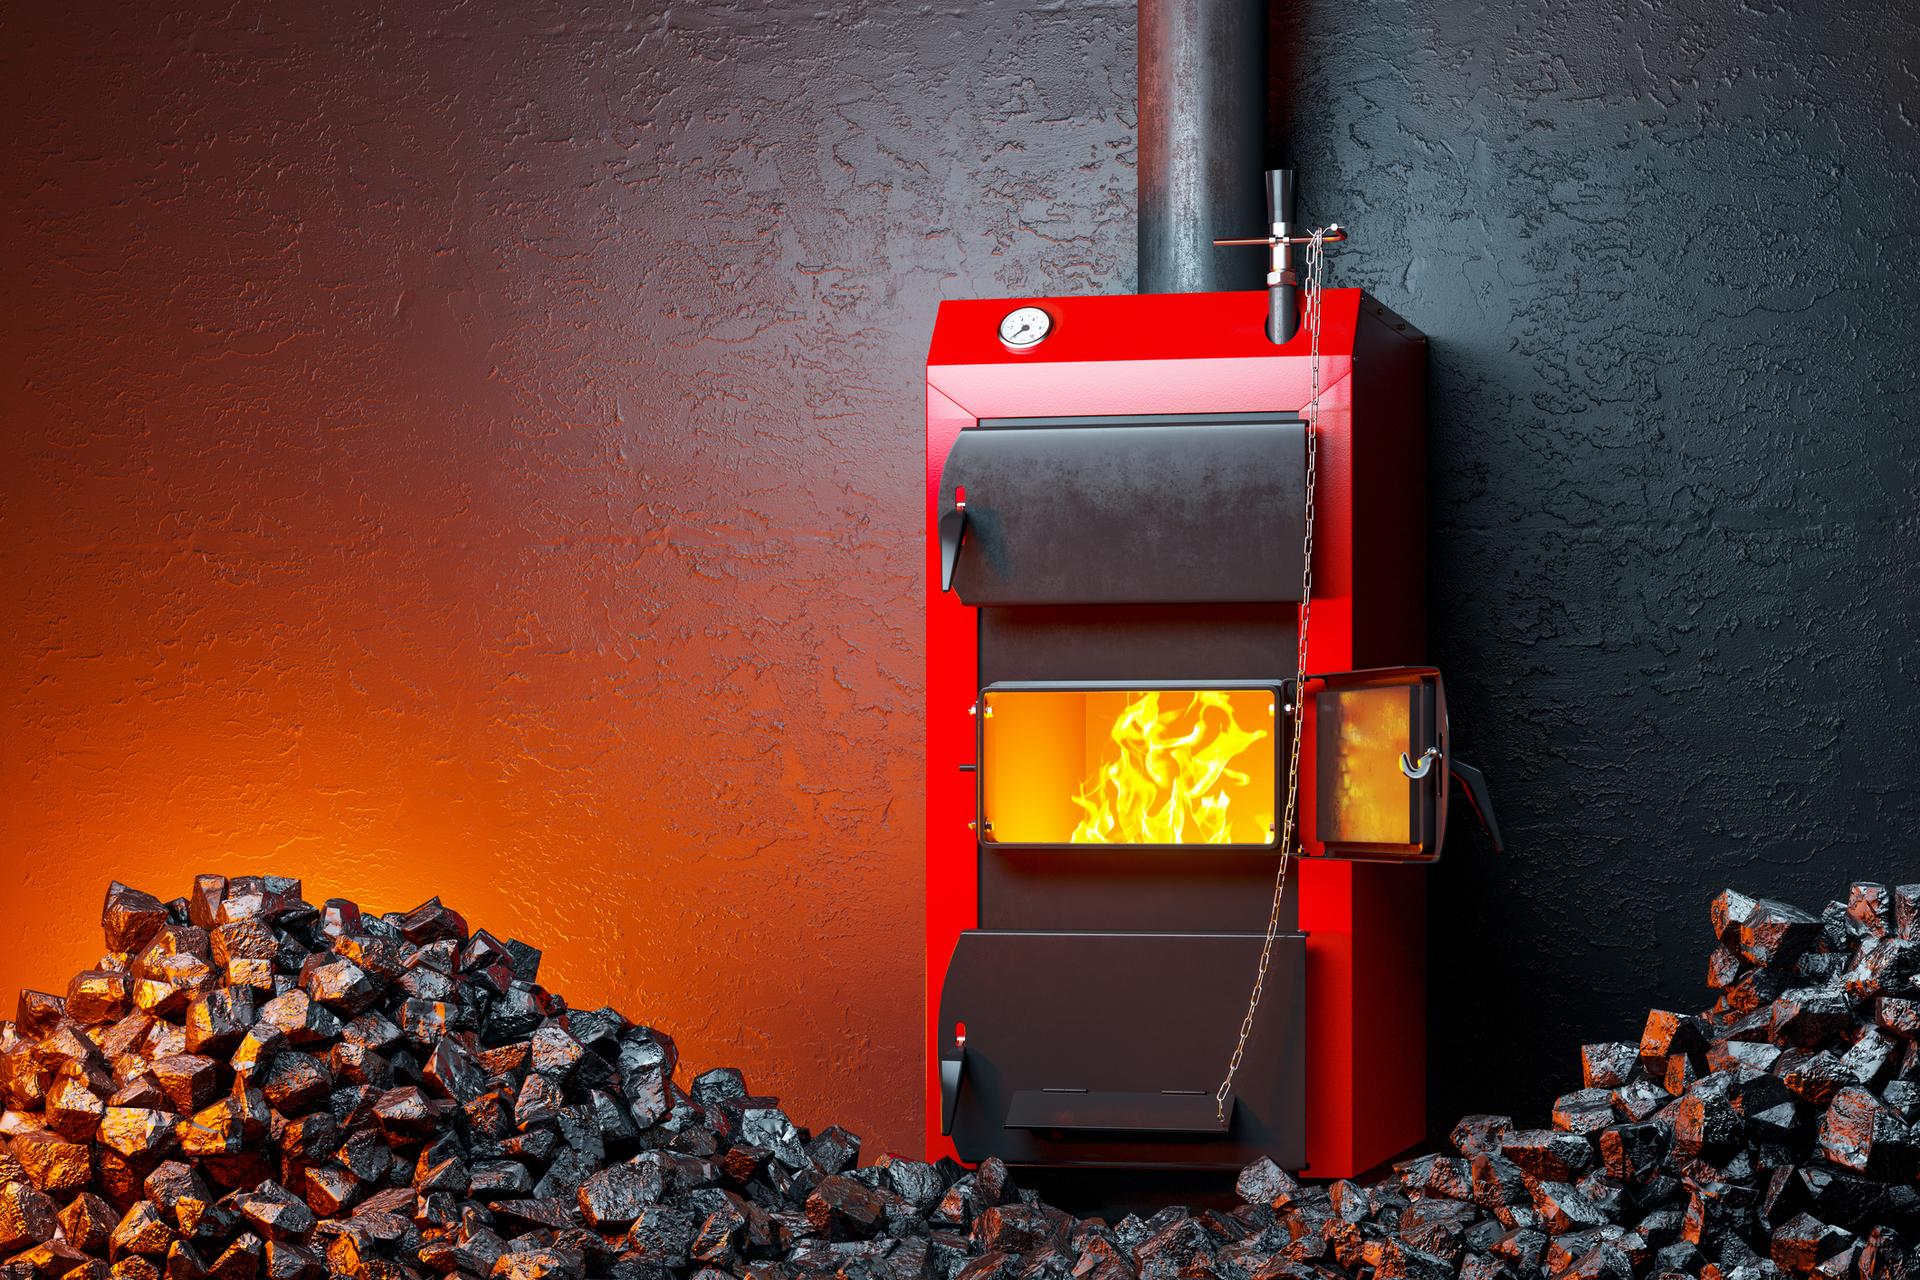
1105	1049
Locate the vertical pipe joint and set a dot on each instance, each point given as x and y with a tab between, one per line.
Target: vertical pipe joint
1283	297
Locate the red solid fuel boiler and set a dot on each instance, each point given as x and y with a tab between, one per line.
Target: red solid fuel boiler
1117	517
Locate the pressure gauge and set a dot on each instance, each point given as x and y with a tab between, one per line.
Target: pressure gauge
1024	326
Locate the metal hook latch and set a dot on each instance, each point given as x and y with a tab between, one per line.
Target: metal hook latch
1424	767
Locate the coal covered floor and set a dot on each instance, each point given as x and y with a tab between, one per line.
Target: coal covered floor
249	1087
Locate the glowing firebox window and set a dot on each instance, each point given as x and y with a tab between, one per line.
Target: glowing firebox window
1363	797
1129	766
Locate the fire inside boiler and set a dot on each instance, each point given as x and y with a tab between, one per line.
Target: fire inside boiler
1130	766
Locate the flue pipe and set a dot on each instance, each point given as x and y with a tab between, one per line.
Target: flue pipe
1202	108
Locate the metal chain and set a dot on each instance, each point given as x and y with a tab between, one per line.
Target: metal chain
1310	292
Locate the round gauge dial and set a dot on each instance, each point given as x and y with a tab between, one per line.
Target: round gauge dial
1024	326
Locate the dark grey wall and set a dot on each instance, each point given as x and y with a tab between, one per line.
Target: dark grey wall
1666	254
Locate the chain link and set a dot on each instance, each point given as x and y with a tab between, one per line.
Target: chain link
1310	292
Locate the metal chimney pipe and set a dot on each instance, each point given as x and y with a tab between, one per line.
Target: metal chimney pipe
1203	109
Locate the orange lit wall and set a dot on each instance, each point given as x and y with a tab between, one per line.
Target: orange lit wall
475	450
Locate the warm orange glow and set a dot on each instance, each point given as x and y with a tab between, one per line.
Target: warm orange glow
1364	798
1136	766
1169	777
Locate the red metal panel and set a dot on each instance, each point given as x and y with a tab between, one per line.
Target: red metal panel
1208	353
1389	564
1326	917
953	884
1143	328
1389	1079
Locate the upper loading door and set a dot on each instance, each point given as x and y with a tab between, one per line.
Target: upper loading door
1157	510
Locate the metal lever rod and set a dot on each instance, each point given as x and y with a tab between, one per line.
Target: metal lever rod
1334	235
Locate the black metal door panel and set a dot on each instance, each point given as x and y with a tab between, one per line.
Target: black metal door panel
1115	888
1105	1048
1150	511
1145	642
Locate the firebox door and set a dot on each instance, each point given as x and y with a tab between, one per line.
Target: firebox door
1180	509
1105	1048
1117	763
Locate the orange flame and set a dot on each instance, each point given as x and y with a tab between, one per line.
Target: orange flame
1164	784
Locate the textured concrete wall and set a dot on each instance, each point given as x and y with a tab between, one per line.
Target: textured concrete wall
1667	255
475	448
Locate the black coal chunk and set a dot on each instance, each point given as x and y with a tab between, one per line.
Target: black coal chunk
248	1087
616	1197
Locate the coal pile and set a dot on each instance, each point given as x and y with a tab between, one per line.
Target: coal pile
250	1087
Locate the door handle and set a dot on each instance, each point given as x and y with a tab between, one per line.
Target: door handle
953	531
950	1072
1475	783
